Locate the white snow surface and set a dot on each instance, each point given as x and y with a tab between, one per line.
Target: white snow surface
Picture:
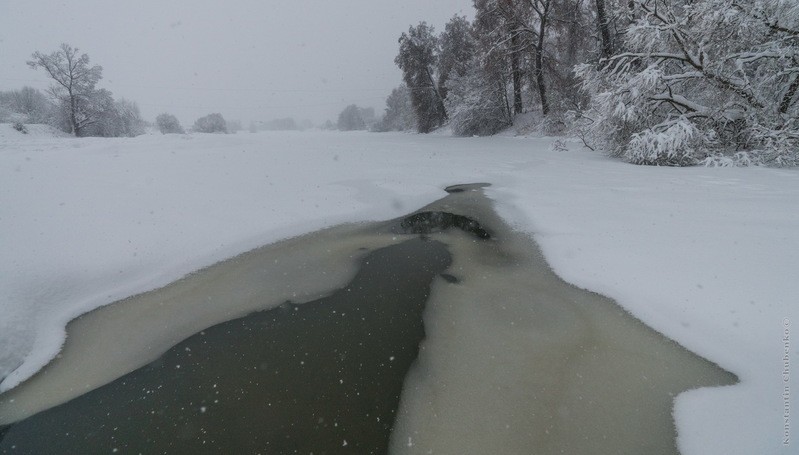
707	256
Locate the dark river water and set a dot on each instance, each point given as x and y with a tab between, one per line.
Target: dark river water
319	377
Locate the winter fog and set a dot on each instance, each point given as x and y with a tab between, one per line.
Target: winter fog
249	60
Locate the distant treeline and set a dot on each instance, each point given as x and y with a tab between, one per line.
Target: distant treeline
75	104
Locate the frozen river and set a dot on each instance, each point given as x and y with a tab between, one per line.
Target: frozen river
444	331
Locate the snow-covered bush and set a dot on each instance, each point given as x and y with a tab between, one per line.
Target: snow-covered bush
168	124
110	117
26	105
699	81
671	143
211	123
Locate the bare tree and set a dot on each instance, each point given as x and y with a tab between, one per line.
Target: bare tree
542	9
517	27
75	82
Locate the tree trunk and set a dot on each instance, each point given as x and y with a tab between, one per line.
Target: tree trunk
786	99
501	89
539	80
604	29
439	98
516	74
515	70
73	116
539	60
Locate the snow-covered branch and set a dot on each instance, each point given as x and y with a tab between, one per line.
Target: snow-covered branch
721	75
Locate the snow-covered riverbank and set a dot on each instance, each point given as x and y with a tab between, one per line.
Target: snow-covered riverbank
706	256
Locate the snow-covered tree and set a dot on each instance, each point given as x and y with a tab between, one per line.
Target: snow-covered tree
611	19
417	58
130	121
112	118
535	44
75	83
211	123
352	118
524	31
399	115
477	102
168	124
456	50
570	41
710	81
504	43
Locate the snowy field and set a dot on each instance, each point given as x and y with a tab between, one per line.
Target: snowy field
707	256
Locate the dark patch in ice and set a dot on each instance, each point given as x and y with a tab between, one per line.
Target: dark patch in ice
465	187
450	278
319	377
430	222
3	430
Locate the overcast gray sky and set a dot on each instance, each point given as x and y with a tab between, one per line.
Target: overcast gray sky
247	59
